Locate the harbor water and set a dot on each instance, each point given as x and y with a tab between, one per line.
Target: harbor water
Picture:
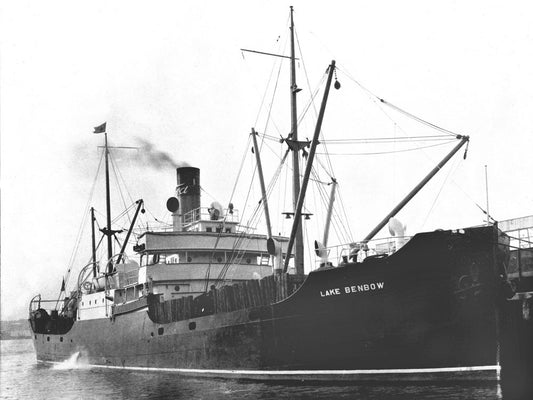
21	377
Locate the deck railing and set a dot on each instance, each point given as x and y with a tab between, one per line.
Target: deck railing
334	256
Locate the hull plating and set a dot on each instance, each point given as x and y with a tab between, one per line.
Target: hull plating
429	312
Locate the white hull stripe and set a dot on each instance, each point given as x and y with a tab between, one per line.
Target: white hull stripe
495	368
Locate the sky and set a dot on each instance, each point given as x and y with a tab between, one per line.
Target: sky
170	77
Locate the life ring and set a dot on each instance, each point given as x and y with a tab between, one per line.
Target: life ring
87	285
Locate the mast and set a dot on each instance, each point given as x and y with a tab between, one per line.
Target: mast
487	194
262	183
412	193
123	249
330	212
298	212
108	232
93	247
298	246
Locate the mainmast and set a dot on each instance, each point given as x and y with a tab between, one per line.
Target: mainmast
307	174
295	147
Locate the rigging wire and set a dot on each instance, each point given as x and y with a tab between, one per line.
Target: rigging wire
452	169
82	225
269	114
379	100
267	85
311	101
330	165
113	166
380	140
389	152
240	167
236	256
448	132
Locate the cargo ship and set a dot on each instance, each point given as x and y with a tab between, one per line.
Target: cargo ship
207	297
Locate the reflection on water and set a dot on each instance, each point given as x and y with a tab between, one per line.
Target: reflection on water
22	378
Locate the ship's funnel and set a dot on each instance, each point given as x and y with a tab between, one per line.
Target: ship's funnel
188	192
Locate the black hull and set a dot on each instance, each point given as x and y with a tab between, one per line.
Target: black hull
428	312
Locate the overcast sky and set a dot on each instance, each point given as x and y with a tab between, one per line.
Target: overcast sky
172	74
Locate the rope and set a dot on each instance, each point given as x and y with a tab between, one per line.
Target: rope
82	225
389	152
454	167
118	186
387	139
236	257
240	168
448	132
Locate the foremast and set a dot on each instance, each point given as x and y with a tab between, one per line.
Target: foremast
107	231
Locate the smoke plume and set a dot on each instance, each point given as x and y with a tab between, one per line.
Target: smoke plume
157	158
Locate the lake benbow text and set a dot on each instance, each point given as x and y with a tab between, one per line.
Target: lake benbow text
364	287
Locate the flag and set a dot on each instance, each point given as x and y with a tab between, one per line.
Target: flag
100	128
63	285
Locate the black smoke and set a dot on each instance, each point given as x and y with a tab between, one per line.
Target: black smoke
156	158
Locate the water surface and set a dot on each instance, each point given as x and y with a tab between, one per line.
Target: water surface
21	377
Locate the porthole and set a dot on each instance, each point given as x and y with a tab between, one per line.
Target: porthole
61	339
219	259
48	338
189	259
152	334
248	261
160	331
177	288
192	326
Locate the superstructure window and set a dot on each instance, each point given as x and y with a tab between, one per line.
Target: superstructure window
263	260
172	259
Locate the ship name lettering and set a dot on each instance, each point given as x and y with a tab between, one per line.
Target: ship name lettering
365	287
330	292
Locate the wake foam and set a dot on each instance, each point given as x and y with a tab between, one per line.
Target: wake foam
73	362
